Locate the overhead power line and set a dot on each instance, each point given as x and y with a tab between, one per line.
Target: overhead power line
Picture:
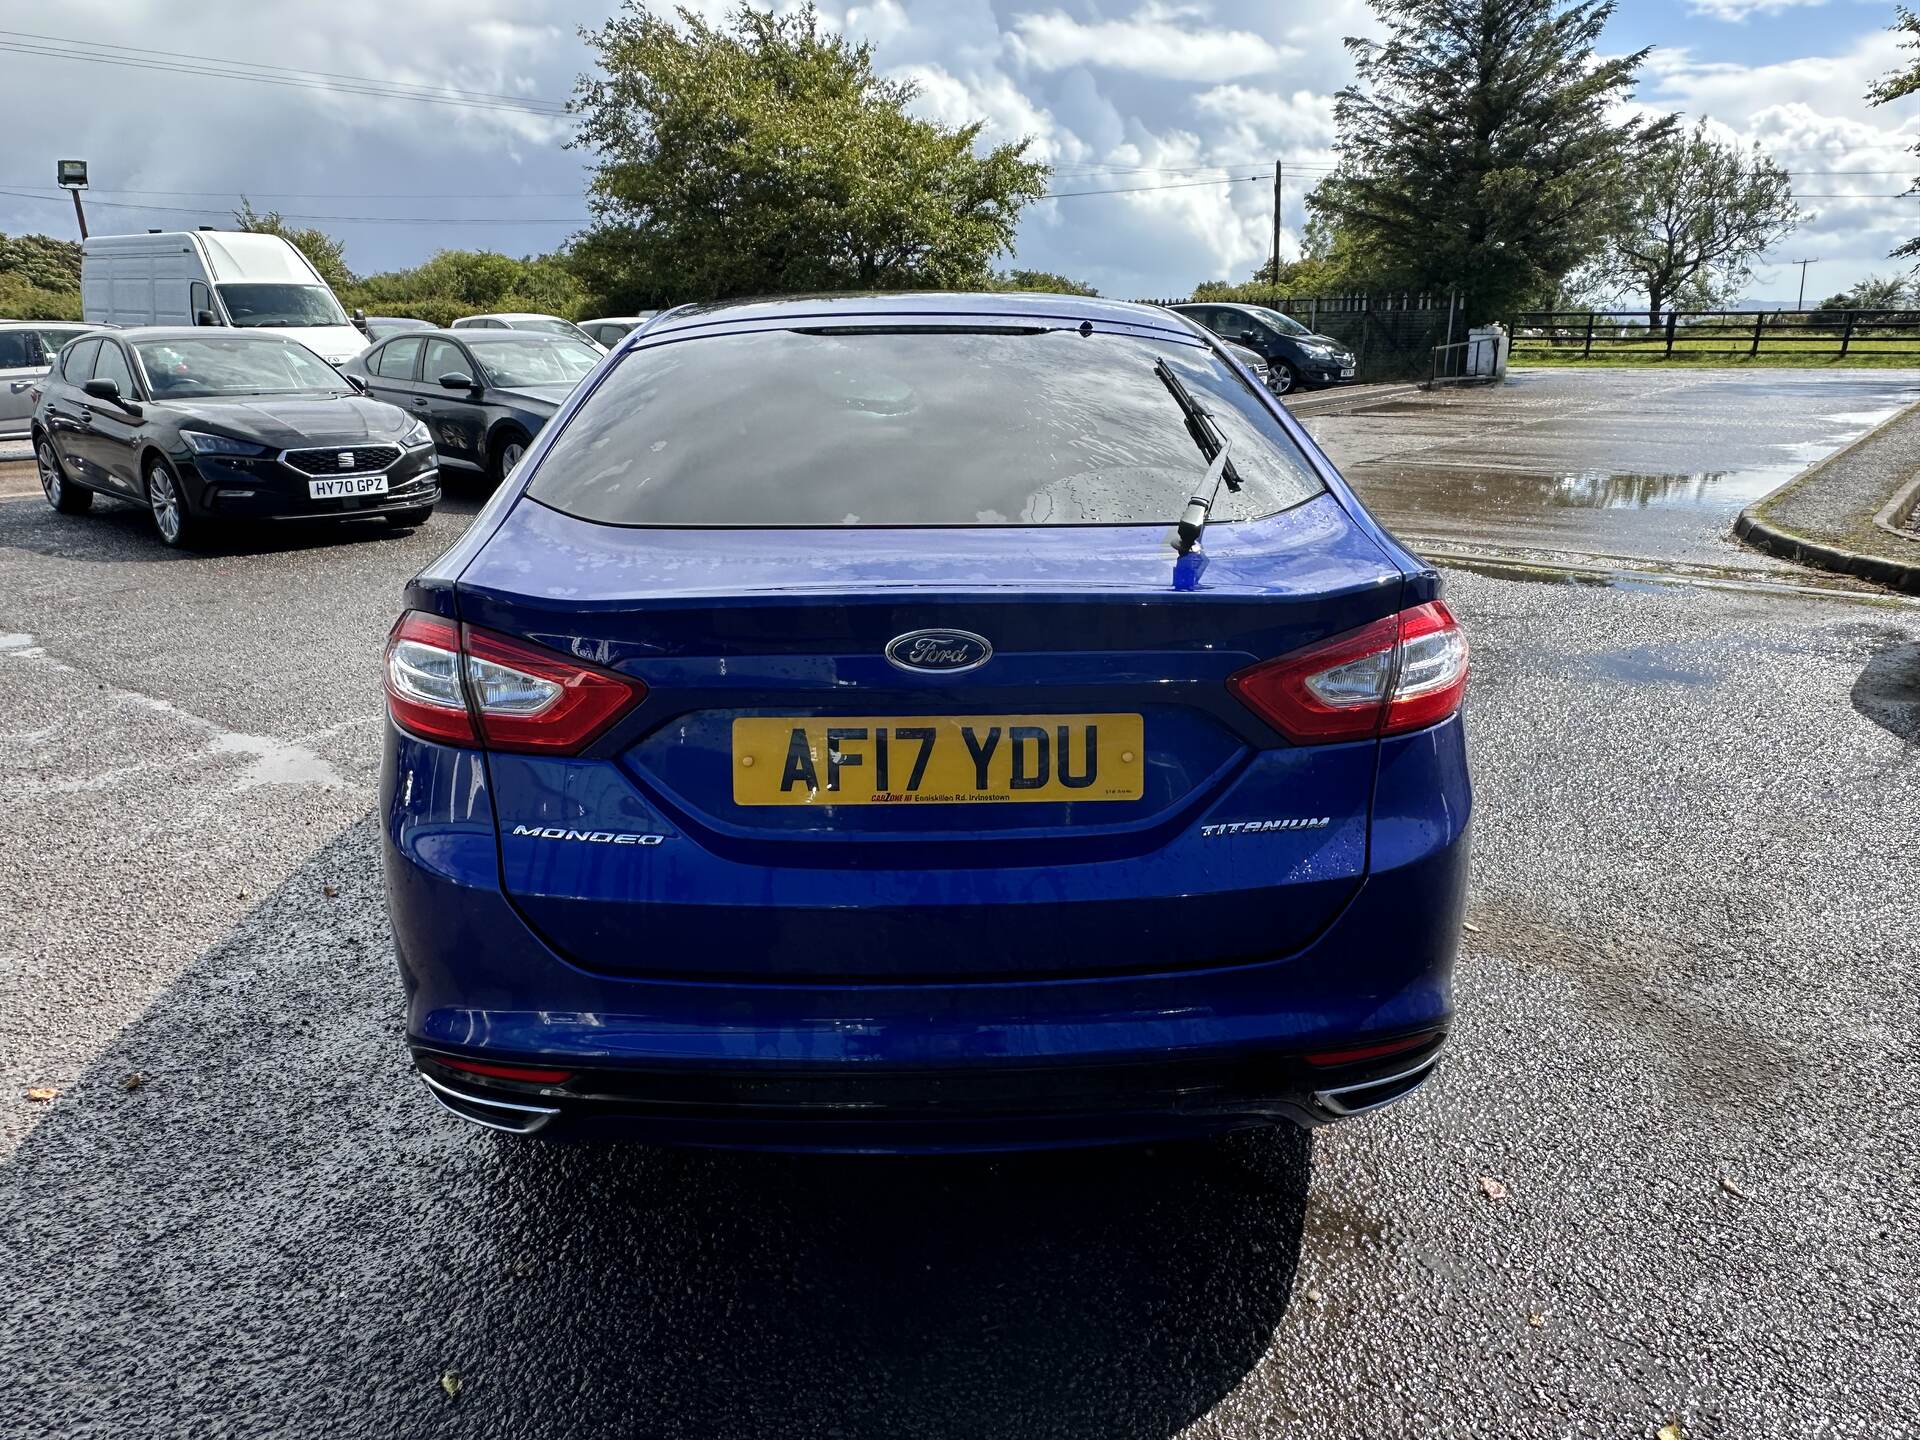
170	62
331	219
92	45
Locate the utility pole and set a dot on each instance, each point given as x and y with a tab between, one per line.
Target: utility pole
1276	224
71	176
1801	303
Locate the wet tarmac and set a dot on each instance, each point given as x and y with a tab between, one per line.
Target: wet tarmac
1619	467
1685	1049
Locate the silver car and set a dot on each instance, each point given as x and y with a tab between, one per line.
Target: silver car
27	348
519	320
610	330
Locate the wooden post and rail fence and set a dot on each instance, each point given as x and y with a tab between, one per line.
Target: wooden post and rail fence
1811	335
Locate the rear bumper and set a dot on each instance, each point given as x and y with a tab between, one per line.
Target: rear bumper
987	1106
954	1065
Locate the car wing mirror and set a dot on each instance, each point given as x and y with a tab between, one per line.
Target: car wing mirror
356	381
205	317
101	388
458	380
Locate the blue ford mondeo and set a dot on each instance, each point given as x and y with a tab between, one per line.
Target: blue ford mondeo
924	722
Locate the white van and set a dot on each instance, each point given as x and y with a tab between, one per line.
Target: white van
214	277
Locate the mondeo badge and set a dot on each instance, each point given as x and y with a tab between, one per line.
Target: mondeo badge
948	652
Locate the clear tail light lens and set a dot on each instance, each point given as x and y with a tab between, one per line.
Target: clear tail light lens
1400	673
423	679
473	687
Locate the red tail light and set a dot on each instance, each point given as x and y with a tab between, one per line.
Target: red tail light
1403	672
531	1074
1380	1051
473	687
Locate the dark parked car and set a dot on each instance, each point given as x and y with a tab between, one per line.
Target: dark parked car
485	393
205	425
1253	360
385	327
1299	358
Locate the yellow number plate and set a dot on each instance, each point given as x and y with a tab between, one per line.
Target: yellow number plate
936	759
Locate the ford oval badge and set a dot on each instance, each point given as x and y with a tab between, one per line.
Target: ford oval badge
945	652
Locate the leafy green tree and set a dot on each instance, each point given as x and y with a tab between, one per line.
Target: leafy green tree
1041	280
1897	86
475	280
1876	292
1479	145
326	254
40	261
1698	214
1332	262
765	155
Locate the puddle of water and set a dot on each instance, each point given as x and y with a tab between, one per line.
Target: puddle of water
1589	465
276	762
1645	665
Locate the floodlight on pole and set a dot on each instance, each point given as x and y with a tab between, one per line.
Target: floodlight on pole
71	176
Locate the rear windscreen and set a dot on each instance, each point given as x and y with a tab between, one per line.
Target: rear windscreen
912	427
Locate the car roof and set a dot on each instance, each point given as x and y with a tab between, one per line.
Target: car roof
516	315
928	305
64	324
483	337
200	332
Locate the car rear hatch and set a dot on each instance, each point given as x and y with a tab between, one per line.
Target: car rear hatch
1075	794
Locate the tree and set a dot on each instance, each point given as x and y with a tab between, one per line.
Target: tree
1876	292
1897	86
1698	214
481	280
1332	262
1042	280
40	261
764	155
326	254
1479	146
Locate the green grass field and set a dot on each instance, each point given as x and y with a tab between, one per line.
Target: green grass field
1804	355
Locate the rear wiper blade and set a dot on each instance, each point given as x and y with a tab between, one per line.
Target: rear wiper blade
1213	445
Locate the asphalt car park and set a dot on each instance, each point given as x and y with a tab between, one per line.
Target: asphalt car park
1665	1173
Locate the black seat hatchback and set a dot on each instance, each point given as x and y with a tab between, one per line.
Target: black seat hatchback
200	426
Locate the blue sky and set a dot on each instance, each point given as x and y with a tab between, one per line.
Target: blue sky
1182	102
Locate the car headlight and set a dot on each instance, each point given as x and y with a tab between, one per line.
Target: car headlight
205	444
418	433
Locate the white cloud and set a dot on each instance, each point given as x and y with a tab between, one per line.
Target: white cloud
1118	94
1738	11
1849	160
1153	41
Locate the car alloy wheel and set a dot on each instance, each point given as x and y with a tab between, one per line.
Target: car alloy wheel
1282	379
510	455
51	479
163	496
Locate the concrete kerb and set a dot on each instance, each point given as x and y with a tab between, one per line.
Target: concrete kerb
1901	575
1312	401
